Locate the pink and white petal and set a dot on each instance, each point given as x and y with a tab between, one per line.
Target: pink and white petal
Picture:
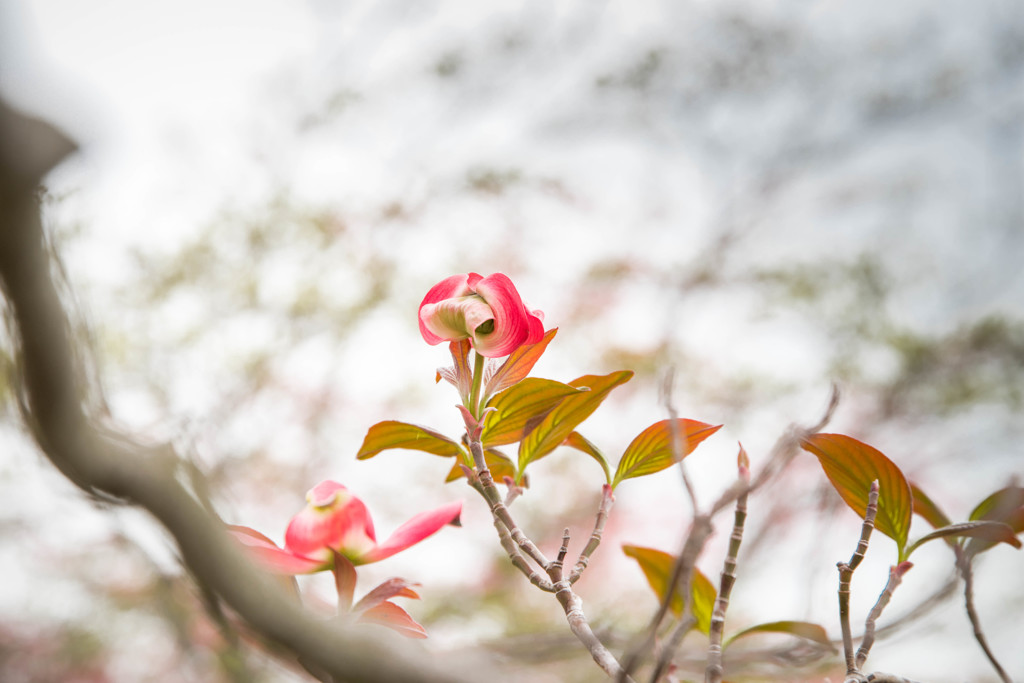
414	531
392	588
450	287
283	562
249	536
535	320
455	319
394	617
273	558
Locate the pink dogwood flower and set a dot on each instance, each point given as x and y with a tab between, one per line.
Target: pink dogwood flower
486	310
334	520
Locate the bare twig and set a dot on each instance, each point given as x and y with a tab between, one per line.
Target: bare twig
714	671
896	573
607	499
964	564
571	603
846	570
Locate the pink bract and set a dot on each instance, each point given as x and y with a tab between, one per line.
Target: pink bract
336	520
486	310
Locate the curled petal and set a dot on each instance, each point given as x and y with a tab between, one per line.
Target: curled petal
514	325
392	588
394	617
451	287
454	319
413	531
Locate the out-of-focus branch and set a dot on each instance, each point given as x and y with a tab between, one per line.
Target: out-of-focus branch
964	564
115	467
896	573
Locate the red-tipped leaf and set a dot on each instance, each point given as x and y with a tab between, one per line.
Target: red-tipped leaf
851	466
518	365
661	445
393	434
560	422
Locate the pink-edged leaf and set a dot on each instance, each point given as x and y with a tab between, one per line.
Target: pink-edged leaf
657	567
985	531
392	588
560	422
518	365
660	446
526	402
393	434
580	443
743	461
394	617
459	375
344	581
498	463
927	510
703	600
415	530
801	629
273	558
1005	505
851	466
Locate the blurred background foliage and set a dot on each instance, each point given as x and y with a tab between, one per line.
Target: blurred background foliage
763	197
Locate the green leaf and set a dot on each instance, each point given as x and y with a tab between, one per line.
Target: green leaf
518	365
653	449
851	466
657	567
498	463
986	530
702	600
560	422
580	443
392	434
801	629
928	510
1005	505
521	404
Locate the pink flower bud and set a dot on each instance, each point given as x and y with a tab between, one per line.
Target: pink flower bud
486	310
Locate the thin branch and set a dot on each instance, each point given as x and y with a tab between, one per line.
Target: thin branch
571	603
846	570
672	644
678	439
896	573
964	564
607	499
714	671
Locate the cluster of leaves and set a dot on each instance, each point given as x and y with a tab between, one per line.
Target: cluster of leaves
540	415
851	466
